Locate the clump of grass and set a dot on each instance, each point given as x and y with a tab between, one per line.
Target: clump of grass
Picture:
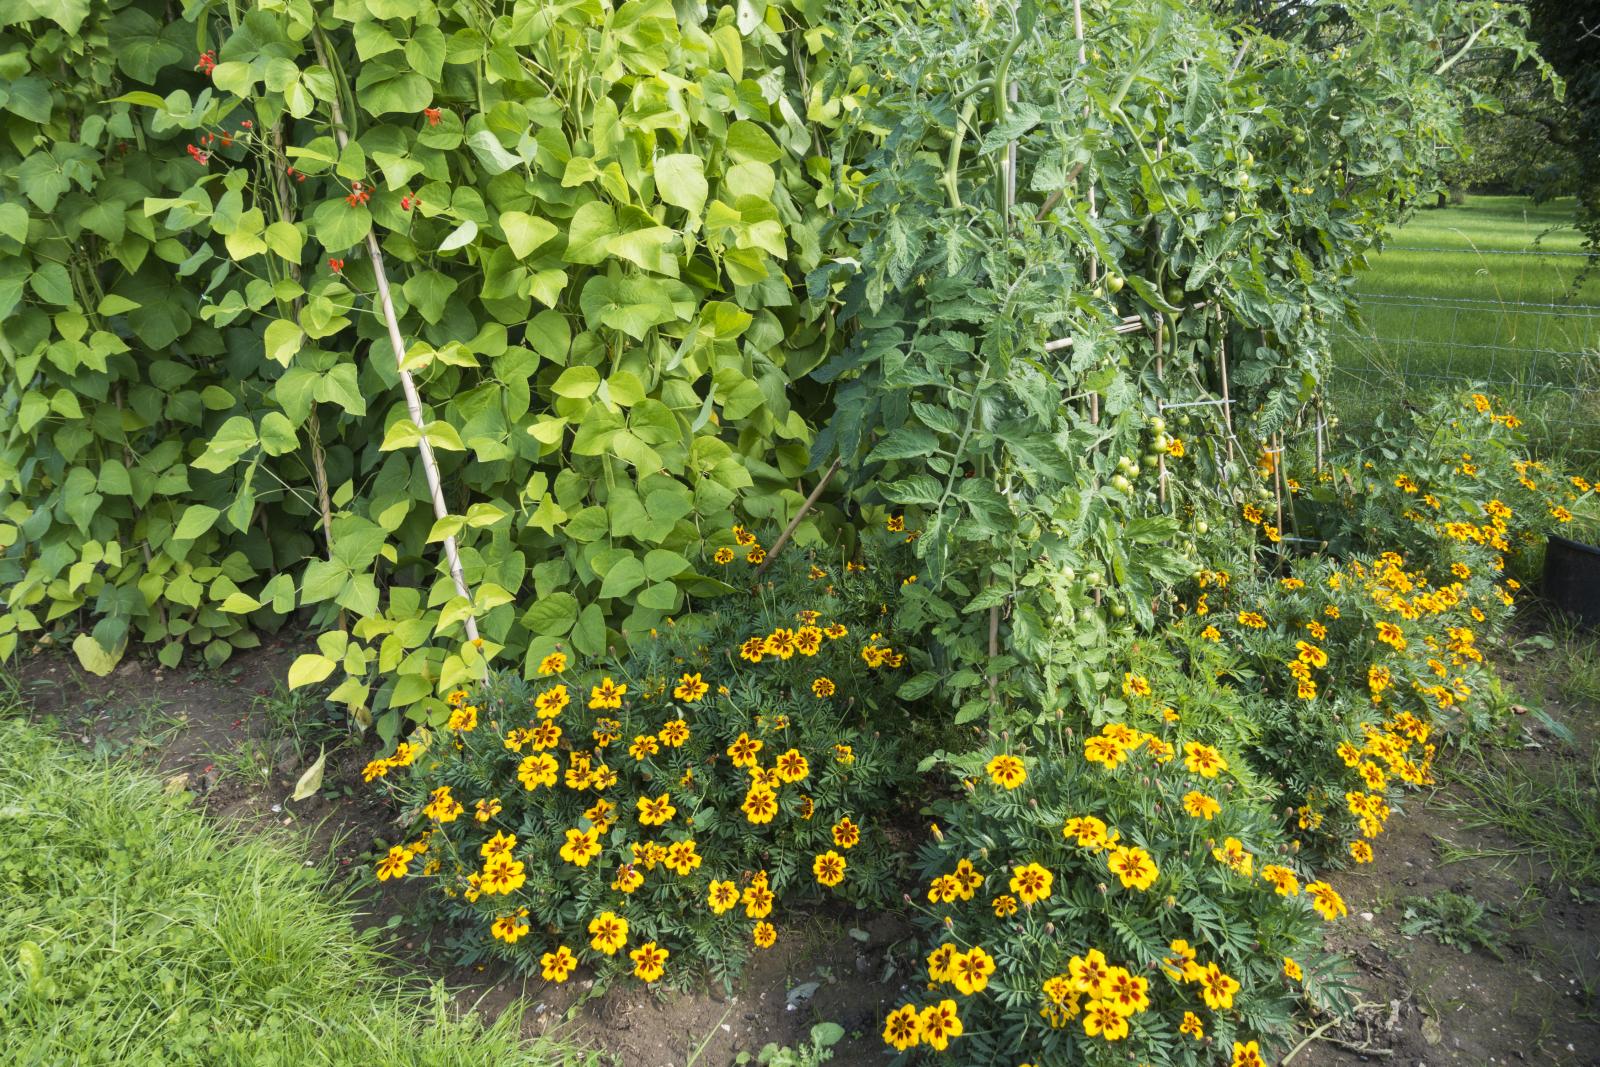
1551	817
135	933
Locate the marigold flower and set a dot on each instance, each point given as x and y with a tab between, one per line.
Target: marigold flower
607	694
765	935
1006	771
723	555
1192	1026
970	970
510	928
552	701
940	1023
558	965
1217	988
1103	1020
610	932
1133	866
903	1028
395	864
1004	905
1247	1054
1200	806
1031	883
1327	901
721	896
581	846
1203	760
829	868
649	961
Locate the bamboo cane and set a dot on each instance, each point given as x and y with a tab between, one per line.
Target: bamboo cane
430	465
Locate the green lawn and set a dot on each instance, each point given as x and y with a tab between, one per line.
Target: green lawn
1445	305
132	932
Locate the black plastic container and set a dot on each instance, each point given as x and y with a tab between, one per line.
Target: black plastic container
1572	580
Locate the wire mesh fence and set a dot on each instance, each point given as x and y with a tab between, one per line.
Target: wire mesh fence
1541	355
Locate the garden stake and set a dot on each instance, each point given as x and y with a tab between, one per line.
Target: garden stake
430	466
788	531
1161	376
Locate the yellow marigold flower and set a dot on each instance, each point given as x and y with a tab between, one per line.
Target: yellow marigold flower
510	928
643	747
1200	806
744	750
610	932
760	805
656	811
649	961
581	846
1031	883
682	858
1006	771
1102	1019
1203	760
765	935
846	834
1211	633
1217	988
1180	965
1192	1026
558	965
1252	619
1090	832
792	766
903	1028
829	868
721	896
1089	973
1247	1054
1232	853
1102	749
1361	852
1004	905
463	720
502	874
970	971
607	694
808	640
395	864
1135	685
1327	901
723	555
1284	883
1128	993
757	899
554	663
823	688
375	769
895	524
441	806
501	844
551	702
628	878
1292	970
690	688
536	770
674	733
1133	866
940	1023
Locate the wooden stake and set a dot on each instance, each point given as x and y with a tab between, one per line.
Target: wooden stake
430	465
794	523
